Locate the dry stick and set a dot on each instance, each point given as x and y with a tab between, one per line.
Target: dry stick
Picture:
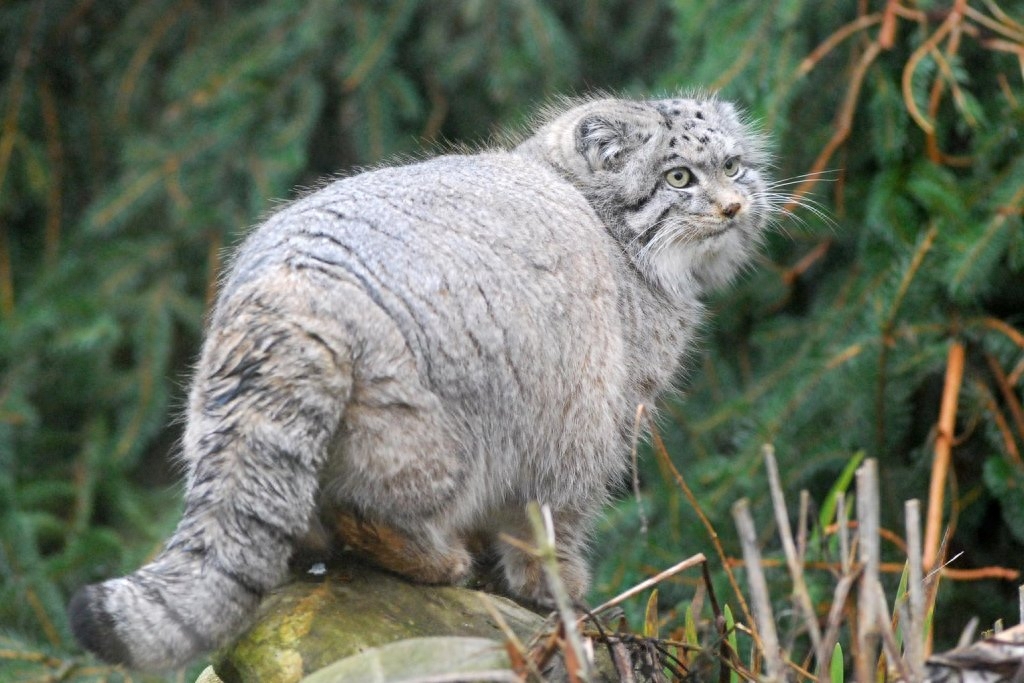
967	635
932	149
835	618
898	568
616	653
1009	444
980	574
644	585
867	606
759	591
544	535
887	32
621	661
844	121
827	45
943	452
954	18
796	570
511	639
662	454
844	535
931	585
892	650
913	634
1009	396
801	527
1002	24
724	649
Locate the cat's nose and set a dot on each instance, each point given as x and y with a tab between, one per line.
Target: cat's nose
730	210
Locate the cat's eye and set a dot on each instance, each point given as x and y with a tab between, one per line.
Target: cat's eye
680	177
731	166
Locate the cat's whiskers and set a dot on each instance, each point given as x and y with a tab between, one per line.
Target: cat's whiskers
824	176
783	205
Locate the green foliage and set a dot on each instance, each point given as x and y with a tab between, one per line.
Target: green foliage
1006	483
138	139
836	674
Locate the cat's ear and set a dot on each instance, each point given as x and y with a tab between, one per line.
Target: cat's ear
603	141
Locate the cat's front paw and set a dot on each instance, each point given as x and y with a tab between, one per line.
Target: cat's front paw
527	581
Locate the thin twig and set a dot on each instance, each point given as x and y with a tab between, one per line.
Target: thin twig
1009	396
980	573
801	526
693	561
913	634
915	58
662	454
834	620
844	535
763	615
800	593
943	451
867	606
889	646
511	639
837	36
844	121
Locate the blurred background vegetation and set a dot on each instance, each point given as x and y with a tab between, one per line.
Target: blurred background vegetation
139	139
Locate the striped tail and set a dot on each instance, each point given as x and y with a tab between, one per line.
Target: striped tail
266	401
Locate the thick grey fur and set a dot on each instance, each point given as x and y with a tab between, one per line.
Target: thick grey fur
432	346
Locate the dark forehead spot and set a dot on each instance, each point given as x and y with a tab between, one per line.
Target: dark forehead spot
672	142
699	114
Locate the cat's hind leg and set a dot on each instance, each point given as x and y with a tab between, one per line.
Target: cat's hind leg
398	490
428	553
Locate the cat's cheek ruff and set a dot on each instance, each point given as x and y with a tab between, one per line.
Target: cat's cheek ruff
691	266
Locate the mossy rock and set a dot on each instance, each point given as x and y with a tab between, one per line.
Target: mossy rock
419	659
309	624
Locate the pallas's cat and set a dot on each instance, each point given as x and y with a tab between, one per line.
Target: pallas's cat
414	353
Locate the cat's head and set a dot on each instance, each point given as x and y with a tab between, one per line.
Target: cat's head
680	183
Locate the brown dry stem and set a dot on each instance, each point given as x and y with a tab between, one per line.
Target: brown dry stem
943	451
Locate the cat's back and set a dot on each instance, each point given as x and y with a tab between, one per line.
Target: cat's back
490	266
448	216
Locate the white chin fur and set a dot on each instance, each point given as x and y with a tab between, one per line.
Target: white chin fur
688	267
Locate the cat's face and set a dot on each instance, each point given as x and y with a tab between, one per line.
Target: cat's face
679	182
